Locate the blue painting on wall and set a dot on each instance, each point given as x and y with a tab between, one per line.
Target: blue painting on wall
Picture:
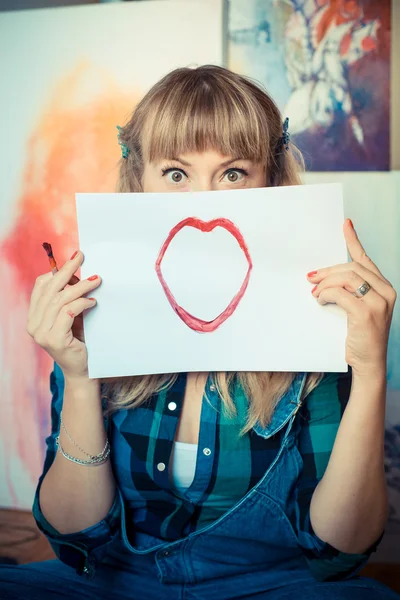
327	65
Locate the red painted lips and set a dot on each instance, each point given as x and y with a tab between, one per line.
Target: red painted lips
206	227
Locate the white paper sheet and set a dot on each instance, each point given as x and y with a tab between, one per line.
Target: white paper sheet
277	325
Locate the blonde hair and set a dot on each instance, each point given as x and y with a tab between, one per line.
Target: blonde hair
191	110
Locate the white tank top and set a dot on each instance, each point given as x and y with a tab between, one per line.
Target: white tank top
183	465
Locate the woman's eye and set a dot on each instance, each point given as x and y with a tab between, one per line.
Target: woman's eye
174	175
235	175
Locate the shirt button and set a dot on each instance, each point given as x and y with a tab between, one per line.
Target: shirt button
172	405
213	388
207	451
166	553
161	466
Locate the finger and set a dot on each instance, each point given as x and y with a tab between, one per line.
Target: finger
65	318
55	339
372	299
38	289
66	273
343	298
351	277
356	250
64	298
38	292
49	283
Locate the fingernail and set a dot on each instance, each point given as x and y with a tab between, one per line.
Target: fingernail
312	273
93	299
351	223
74	254
93	277
313	290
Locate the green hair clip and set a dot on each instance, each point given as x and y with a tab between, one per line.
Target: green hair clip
285	134
124	148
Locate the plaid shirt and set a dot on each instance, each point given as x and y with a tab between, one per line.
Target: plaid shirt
228	466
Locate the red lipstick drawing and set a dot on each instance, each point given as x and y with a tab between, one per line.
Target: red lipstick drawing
205	226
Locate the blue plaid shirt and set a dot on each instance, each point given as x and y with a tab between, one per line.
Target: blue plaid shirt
147	507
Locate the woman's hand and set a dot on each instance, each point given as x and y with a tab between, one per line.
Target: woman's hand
369	317
55	316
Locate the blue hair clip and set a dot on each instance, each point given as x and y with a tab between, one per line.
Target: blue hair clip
124	148
286	134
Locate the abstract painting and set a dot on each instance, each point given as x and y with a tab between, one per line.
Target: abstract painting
66	87
327	65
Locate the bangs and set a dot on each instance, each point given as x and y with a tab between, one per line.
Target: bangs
198	115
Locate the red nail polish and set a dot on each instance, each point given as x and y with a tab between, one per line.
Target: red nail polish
74	254
351	223
312	273
313	290
93	277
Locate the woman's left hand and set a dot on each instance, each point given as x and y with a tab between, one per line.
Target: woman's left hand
369	316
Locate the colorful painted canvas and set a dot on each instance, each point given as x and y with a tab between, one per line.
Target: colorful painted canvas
327	65
59	109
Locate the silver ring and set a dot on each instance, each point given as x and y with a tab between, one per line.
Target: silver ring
362	290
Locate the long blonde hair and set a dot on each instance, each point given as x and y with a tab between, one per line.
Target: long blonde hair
191	110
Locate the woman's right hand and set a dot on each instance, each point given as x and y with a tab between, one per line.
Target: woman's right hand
55	316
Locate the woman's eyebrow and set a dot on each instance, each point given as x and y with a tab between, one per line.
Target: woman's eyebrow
183	162
231	160
223	164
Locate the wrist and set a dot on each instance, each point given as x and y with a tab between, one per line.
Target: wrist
82	386
375	373
371	381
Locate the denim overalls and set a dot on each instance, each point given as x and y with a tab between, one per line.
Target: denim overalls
255	534
251	551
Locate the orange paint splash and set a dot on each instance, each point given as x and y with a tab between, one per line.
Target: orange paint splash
73	148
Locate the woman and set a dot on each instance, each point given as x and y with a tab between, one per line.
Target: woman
219	486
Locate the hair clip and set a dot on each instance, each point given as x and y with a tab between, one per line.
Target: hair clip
286	134
124	148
